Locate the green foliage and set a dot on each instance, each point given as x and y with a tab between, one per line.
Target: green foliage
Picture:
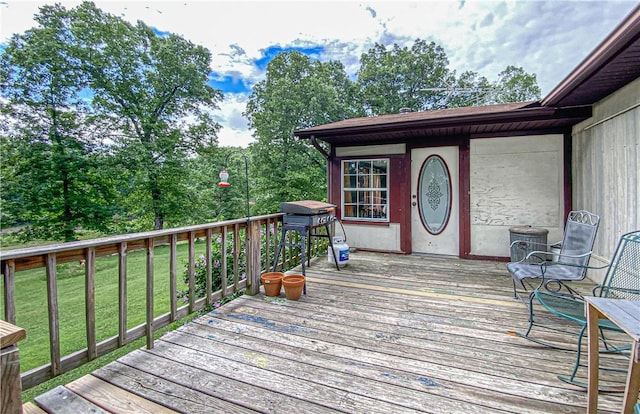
200	269
102	119
297	93
399	78
418	78
51	170
515	85
155	88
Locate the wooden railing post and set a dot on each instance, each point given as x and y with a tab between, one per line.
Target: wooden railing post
10	385
253	258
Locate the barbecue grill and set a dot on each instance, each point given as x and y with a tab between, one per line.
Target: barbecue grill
304	216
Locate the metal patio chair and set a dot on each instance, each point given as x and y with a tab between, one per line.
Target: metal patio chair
622	281
571	262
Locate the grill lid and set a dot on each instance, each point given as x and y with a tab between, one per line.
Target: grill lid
306	207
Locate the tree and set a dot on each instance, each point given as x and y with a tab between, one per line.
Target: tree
390	80
418	79
51	174
296	93
154	88
515	85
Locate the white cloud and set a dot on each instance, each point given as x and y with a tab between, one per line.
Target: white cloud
548	38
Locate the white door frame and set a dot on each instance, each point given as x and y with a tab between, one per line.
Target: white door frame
441	240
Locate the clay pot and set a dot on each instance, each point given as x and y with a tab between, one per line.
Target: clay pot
293	286
272	282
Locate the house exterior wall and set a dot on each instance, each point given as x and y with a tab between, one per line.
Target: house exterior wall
605	165
376	236
515	181
512	181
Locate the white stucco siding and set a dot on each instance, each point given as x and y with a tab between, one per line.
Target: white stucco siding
383	238
514	181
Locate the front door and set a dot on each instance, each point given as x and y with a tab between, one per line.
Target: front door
434	201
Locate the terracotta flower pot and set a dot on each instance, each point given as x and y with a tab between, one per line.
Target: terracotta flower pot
293	286
272	282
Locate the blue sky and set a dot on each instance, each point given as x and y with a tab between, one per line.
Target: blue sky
548	38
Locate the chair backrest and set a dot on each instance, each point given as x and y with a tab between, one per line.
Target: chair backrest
623	275
579	237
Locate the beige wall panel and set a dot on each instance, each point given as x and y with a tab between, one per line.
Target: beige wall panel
385	238
605	160
387	149
514	181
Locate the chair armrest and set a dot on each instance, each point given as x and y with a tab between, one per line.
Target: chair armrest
537	254
543	266
531	243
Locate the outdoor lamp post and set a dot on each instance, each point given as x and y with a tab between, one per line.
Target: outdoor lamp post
224	177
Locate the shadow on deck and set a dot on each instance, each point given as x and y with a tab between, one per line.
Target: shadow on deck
388	333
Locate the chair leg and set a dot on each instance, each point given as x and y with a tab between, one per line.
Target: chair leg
576	365
572	378
515	290
530	306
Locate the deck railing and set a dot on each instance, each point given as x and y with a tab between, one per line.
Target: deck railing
250	242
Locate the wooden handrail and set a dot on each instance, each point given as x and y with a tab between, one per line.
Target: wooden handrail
260	239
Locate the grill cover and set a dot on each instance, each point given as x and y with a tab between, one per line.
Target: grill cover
306	207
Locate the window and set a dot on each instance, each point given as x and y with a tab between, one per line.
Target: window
365	189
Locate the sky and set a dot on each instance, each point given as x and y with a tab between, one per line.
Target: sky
546	38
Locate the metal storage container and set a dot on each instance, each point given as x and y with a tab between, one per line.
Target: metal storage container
530	238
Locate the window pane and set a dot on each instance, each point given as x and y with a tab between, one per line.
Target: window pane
380	166
350	181
435	195
365	192
350	167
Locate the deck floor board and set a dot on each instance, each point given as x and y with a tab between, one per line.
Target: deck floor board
387	333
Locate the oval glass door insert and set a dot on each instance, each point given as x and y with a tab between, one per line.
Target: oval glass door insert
434	189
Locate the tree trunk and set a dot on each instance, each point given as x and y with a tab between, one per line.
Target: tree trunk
156	198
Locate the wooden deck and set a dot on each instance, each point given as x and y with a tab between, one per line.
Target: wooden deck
386	334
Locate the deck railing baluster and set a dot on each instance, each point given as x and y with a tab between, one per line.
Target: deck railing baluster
54	321
90	301
9	272
173	277
236	255
208	284
223	261
122	293
150	316
267	245
191	270
253	258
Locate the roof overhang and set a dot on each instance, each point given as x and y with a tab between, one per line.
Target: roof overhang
481	120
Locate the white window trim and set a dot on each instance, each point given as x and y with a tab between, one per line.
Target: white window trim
386	189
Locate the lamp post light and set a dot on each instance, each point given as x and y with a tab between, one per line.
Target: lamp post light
224	178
